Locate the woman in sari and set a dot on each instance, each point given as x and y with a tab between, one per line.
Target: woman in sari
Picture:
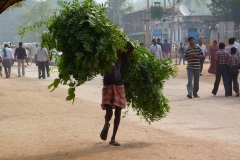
212	55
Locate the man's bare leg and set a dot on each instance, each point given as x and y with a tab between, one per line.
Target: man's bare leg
106	126
117	120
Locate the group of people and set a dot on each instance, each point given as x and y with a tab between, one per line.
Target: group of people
160	50
225	63
42	60
8	56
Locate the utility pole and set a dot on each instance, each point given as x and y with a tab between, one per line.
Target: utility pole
172	27
147	35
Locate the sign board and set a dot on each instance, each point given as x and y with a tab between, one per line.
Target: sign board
157	32
156	12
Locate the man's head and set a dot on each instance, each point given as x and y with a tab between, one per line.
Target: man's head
215	42
36	45
221	46
6	45
233	50
154	41
181	44
20	44
158	40
200	42
165	40
141	44
231	40
191	40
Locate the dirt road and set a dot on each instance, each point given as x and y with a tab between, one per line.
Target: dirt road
37	124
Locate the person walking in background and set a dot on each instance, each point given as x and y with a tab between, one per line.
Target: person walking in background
141	44
204	50
21	55
7	56
48	63
181	51
27	57
236	44
166	49
9	45
231	44
155	49
159	43
222	57
212	56
193	55
233	64
35	54
1	64
42	55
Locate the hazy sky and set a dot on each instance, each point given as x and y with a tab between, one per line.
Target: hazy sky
100	1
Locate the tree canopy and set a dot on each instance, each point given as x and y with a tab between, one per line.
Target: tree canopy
225	10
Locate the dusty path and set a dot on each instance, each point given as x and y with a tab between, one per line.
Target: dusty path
37	124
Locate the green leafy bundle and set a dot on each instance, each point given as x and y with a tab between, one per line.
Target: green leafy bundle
89	42
144	76
87	39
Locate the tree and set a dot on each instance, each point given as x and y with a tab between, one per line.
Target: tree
40	12
225	10
117	8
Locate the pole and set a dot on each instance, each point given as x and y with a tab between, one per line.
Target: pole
147	25
114	12
164	6
172	27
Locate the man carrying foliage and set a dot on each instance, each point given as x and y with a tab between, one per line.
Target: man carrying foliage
113	95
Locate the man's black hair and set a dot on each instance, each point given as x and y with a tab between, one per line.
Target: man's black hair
233	50
20	43
215	41
6	45
158	39
190	38
231	40
221	45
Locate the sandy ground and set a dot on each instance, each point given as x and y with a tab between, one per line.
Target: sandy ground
37	124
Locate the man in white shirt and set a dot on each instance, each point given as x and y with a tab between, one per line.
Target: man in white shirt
236	44
42	55
155	49
231	44
204	50
6	54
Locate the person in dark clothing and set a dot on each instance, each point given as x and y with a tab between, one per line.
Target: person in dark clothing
222	57
233	64
20	53
113	96
159	43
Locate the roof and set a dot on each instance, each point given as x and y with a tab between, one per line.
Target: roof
4	4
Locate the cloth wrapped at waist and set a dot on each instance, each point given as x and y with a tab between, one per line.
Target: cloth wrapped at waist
7	63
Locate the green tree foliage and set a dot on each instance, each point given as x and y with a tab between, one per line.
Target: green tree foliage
227	10
16	5
41	11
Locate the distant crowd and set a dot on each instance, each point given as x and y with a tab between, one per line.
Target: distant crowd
21	55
